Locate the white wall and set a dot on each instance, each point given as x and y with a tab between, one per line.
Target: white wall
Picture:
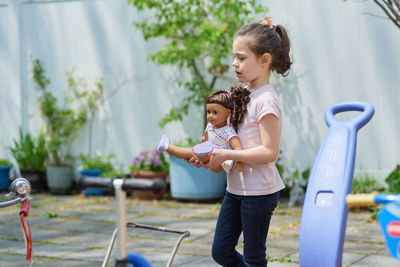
340	52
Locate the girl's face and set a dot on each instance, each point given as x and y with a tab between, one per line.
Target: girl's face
249	68
217	115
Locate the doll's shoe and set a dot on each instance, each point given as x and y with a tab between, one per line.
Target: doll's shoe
227	165
203	149
164	143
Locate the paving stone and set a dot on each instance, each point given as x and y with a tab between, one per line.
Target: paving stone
80	225
91	255
203	262
83	240
9	245
81	233
64	262
44	235
377	260
49	250
348	259
282	264
12	260
161	258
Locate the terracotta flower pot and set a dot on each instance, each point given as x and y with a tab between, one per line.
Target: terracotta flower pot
149	175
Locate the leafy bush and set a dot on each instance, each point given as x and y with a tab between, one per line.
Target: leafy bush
393	181
365	184
64	120
4	162
298	178
96	163
30	152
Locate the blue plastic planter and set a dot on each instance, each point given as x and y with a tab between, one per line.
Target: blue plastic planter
92	191
5	177
191	183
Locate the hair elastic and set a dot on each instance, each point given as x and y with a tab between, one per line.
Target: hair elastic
267	21
230	95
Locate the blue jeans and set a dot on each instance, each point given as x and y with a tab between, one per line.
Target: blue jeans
250	215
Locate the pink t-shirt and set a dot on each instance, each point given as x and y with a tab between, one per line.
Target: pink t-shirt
257	179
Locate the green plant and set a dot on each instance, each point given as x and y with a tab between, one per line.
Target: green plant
49	215
30	152
153	160
198	37
4	162
393	181
114	174
64	121
96	162
297	178
365	184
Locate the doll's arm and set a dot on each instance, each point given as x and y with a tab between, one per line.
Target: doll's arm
235	144
205	136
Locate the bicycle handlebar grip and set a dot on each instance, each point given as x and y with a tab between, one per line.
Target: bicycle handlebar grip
24	211
156	185
360	200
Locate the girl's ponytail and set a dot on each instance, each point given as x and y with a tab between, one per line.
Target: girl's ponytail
282	59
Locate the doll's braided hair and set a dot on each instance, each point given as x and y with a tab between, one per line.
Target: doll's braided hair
240	98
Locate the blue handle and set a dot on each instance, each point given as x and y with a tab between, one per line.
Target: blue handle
367	111
386	198
324	215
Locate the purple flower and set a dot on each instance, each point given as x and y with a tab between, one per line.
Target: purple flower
150	160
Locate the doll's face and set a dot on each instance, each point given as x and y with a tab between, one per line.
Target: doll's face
217	115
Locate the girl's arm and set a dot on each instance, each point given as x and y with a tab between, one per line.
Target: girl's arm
267	152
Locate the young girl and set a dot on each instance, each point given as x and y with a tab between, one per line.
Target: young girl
251	198
220	105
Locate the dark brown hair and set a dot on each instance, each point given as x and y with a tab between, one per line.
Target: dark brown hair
266	39
240	98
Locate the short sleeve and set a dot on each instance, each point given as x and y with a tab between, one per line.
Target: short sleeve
268	104
229	132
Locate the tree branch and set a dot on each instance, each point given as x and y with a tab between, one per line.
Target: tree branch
396	19
197	72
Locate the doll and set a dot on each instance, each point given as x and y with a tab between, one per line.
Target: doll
225	110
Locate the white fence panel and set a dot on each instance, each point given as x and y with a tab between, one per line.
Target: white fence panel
341	51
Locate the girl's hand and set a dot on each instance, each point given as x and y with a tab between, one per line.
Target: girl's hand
194	161
217	157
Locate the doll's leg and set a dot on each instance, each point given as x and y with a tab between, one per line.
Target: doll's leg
218	170
179	152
